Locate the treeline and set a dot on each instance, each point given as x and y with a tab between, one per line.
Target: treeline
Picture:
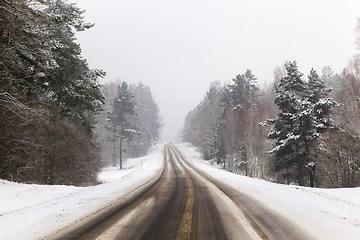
224	125
48	95
296	130
130	124
58	124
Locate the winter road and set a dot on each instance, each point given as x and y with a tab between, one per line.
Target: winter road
185	203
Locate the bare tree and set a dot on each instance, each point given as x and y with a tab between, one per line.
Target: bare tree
337	156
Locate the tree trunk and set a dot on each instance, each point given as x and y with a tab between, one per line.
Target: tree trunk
312	175
113	161
311	168
121	140
300	163
300	177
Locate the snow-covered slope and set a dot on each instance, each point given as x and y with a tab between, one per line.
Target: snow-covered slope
33	211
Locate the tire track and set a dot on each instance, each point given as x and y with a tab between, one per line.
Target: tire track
268	224
206	221
101	221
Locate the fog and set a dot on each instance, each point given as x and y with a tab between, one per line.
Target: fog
178	47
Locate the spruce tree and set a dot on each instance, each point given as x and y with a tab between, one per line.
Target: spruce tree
123	106
45	83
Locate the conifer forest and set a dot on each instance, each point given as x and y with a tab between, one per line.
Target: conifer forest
52	107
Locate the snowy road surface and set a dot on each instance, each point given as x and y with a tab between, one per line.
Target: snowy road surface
185	203
177	196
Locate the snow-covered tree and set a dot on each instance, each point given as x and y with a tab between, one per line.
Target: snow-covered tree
146	124
238	122
147	120
241	88
45	83
304	113
118	124
331	80
189	129
211	122
223	125
201	126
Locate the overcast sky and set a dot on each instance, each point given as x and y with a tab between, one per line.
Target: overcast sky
178	47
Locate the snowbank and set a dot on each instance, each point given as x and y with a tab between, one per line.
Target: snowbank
30	211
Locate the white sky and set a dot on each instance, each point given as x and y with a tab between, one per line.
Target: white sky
178	47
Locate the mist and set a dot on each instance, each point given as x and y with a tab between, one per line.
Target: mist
178	48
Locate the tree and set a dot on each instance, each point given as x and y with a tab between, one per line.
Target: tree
106	140
337	156
45	87
321	105
222	125
146	124
41	59
202	125
305	111
266	109
188	127
147	120
73	84
211	120
350	97
240	102
331	80
239	92
123	106
336	150
358	33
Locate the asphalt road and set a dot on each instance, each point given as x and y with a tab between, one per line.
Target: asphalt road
185	203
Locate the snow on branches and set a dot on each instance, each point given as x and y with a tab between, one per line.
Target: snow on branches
305	113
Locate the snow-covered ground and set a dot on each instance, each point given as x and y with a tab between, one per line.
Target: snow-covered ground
29	211
34	211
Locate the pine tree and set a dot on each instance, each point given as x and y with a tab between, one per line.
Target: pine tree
240	98
287	152
123	106
331	80
305	112
240	90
